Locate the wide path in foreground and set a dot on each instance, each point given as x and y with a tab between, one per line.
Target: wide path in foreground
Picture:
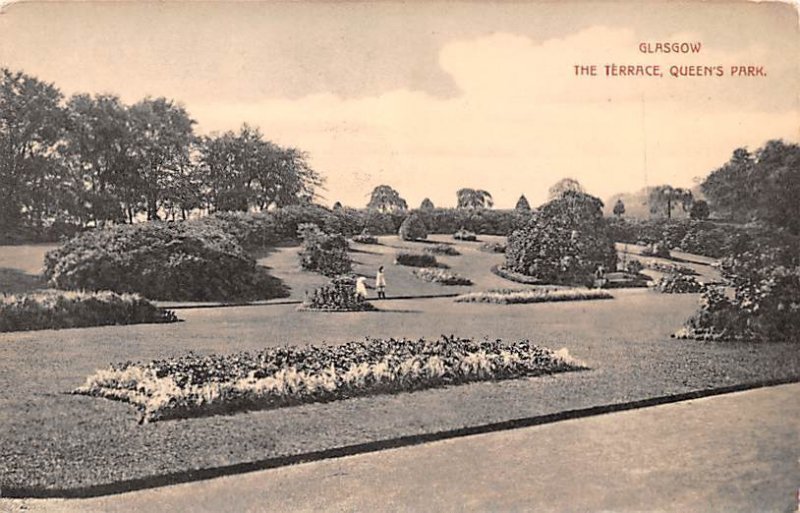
736	452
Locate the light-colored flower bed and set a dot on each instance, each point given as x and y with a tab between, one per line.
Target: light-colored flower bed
509	297
670	268
201	385
441	276
57	309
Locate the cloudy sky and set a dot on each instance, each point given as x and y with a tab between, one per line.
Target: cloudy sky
430	97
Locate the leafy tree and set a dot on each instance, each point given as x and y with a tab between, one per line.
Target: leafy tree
242	171
664	198
522	204
619	208
97	150
730	188
426	204
761	186
386	199
161	143
338	206
474	198
564	185
699	210
34	188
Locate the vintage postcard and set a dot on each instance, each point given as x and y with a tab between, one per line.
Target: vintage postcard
399	256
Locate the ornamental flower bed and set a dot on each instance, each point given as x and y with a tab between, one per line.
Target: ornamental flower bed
510	275
196	385
679	284
441	276
365	238
337	296
442	249
465	235
416	260
511	297
670	268
57	309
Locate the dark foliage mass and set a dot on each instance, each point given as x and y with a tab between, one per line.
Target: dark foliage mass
337	296
564	242
322	252
763	185
701	237
765	305
416	259
413	228
676	283
165	261
85	161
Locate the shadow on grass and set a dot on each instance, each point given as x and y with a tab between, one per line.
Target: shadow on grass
383	310
14	281
274	288
364	251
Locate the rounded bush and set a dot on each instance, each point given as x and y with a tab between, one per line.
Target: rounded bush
564	242
164	261
413	228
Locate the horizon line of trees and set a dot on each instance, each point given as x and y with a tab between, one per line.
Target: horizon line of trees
92	159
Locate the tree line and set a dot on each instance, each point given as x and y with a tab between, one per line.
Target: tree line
91	159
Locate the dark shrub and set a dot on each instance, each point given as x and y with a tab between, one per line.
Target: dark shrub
465	235
679	284
565	242
634	266
323	252
413	228
766	301
416	260
337	296
57	309
442	249
166	261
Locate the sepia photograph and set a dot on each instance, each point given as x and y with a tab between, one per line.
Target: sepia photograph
399	256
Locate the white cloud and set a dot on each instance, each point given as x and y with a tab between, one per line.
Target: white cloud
522	122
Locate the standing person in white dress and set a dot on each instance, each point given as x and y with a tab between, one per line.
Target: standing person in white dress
380	283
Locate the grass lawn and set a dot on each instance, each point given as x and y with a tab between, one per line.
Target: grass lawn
21	267
472	263
52	440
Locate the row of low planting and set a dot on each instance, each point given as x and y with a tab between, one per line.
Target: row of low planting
201	385
56	309
441	276
509	297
